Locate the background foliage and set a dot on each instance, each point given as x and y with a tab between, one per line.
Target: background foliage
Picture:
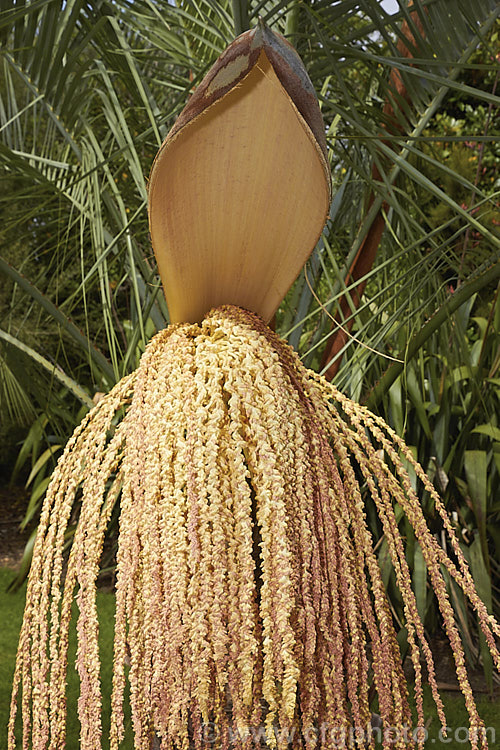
88	90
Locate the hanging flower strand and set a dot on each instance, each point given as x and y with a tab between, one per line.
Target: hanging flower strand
249	597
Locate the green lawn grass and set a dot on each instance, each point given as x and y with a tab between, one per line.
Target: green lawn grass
11	607
458	720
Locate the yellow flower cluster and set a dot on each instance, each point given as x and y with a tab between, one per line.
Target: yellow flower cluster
248	589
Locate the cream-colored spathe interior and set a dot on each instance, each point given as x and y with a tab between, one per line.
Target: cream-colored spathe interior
237	201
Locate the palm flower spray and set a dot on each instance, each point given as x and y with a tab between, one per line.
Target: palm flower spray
249	598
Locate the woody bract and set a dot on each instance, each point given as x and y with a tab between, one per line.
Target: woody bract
248	593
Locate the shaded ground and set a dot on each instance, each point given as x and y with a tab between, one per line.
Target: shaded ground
445	669
13	503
